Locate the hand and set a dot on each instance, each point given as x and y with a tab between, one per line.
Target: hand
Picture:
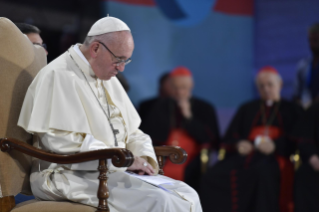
245	147
267	147
185	107
314	162
139	168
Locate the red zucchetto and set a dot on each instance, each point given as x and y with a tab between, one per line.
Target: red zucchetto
181	71
268	69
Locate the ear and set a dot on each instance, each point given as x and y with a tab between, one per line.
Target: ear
193	83
94	49
281	85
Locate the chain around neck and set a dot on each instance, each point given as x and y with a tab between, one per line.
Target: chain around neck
108	114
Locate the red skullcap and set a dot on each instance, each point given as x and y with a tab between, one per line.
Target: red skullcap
268	69
181	71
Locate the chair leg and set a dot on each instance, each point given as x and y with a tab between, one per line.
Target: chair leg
160	164
7	203
103	192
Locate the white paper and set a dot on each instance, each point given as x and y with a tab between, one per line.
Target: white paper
154	180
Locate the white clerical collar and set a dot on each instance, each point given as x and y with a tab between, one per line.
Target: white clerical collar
78	51
80	54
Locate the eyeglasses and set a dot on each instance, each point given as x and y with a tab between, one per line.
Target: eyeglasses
119	60
43	45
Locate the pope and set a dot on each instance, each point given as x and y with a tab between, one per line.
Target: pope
75	104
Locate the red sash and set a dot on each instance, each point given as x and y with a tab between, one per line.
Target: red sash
179	137
285	165
272	132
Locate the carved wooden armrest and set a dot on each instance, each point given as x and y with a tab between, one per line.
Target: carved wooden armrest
176	155
120	158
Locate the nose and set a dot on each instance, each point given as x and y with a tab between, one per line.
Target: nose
120	67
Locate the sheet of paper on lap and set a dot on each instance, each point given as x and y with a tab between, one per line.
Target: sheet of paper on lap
154	180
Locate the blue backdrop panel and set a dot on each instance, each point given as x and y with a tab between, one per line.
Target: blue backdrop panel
218	50
281	35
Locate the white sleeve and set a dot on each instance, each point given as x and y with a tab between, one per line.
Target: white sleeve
140	144
64	142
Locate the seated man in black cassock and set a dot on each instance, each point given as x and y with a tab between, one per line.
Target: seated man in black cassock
185	121
307	176
163	92
257	176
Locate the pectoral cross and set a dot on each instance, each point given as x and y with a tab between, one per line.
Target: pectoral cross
115	132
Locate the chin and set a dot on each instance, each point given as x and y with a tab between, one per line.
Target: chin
105	78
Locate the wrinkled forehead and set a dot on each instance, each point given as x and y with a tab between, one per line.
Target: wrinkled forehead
182	81
121	43
266	77
118	38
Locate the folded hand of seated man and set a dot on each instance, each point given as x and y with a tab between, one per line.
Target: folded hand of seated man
141	167
266	147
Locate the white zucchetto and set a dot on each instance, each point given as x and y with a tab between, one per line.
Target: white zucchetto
106	25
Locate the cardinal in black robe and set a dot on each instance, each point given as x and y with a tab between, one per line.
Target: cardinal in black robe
182	120
256	174
307	175
164	91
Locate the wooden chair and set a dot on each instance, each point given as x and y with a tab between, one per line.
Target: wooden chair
20	61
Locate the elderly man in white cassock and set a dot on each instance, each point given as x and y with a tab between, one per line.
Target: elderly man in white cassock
75	104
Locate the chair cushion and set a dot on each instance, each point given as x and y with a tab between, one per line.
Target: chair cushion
51	206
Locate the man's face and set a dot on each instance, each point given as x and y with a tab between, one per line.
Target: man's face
166	87
35	38
314	42
103	62
182	87
269	86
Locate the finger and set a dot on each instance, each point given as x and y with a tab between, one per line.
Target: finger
148	171
262	151
269	151
151	168
141	172
142	167
142	164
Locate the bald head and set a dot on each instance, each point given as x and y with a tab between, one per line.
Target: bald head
269	85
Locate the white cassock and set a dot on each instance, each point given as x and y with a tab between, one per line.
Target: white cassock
66	117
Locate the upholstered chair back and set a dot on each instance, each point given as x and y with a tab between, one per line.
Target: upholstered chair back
20	61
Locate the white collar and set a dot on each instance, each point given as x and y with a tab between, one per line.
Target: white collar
76	48
78	51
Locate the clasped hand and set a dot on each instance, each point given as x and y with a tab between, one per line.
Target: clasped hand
245	147
185	107
314	162
139	167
